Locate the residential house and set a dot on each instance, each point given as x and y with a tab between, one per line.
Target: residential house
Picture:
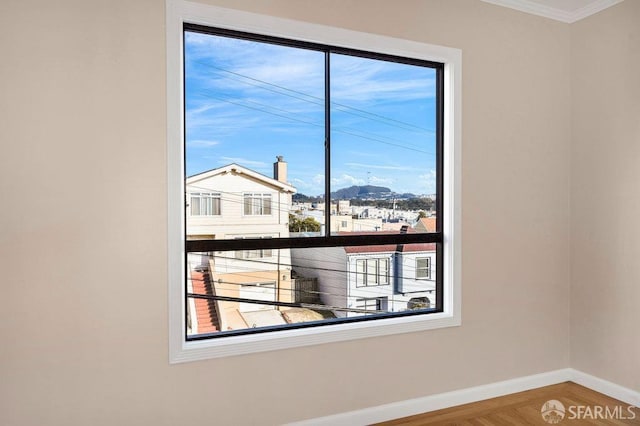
387	278
234	202
342	223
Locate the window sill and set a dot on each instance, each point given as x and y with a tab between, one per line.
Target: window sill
286	339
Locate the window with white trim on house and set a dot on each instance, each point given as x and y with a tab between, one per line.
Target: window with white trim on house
204	204
362	143
423	268
257	204
372	271
254	254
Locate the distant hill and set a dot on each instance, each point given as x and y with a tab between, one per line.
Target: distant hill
357	192
365	191
301	198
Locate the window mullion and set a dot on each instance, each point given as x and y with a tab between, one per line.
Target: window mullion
327	143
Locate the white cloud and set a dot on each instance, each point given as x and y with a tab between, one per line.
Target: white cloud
242	161
428	181
346	180
304	186
357	79
374	180
213	114
201	143
241	65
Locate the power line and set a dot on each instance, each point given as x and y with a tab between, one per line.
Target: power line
246	270
238	199
376	137
262	282
316	98
295	291
282	304
350	133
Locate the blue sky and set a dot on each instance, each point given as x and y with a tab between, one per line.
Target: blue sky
247	102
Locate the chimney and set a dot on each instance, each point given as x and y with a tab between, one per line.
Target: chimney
280	169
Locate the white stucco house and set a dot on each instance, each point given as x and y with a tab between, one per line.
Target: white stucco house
234	202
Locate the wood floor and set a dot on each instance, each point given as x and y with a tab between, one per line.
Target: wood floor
525	408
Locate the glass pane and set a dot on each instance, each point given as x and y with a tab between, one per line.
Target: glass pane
383	146
267	205
195	206
287	287
254	118
384	271
372	272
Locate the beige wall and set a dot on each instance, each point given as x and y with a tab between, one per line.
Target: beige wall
83	238
605	195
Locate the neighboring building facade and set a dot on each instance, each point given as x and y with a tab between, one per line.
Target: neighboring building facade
342	223
233	202
356	280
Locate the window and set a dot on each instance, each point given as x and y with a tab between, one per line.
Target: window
375	131
257	204
423	268
204	204
253	254
372	272
371	304
321	130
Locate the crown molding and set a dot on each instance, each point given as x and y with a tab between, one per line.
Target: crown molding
569	17
593	8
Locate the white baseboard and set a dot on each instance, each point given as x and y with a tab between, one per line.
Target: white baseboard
425	404
410	407
613	390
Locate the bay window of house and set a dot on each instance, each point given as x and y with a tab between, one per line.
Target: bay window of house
294	137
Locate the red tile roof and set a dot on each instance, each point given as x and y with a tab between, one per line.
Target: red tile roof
413	247
405	248
429	223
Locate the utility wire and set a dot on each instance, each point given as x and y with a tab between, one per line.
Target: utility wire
347	108
350	133
238	199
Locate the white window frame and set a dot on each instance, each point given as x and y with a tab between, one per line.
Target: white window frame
261	253
253	196
366	301
205	196
181	350
428	268
373	275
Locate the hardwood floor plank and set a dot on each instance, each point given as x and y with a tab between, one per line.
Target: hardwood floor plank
524	408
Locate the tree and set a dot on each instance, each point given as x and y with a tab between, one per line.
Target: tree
308	224
421	214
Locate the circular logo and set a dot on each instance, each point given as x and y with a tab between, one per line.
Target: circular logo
552	411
